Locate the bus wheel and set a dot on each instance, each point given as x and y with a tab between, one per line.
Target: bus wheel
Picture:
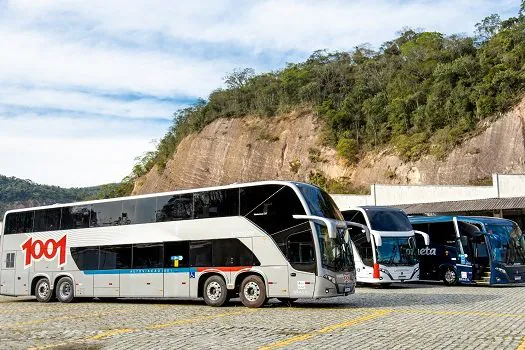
65	290
450	276
253	291
43	290
215	292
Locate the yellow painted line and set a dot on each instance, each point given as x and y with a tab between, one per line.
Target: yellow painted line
522	344
111	333
328	329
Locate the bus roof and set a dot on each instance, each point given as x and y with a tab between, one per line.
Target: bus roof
192	190
445	218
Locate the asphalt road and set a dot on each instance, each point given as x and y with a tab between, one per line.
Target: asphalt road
416	316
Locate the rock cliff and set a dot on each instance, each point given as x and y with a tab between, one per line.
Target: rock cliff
288	147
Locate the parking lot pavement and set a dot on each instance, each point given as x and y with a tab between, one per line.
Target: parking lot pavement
416	316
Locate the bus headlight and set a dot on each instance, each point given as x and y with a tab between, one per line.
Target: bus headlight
330	278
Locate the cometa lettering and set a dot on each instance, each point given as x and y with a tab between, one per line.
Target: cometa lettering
427	251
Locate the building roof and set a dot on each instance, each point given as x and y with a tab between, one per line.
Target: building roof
446	218
464	206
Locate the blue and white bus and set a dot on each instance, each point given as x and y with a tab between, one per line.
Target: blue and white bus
471	250
260	240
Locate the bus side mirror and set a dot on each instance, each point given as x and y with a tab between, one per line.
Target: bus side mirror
425	236
363	227
329	224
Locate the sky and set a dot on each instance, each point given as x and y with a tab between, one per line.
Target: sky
87	86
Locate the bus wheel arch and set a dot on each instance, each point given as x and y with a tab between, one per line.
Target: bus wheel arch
64	288
213	289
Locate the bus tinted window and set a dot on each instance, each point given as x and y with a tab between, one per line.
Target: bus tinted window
21	222
362	245
75	217
145	211
320	202
442	233
200	254
301	252
216	203
382	219
176	254
232	252
106	214
147	256
354	216
86	258
172	208
47	220
138	211
115	257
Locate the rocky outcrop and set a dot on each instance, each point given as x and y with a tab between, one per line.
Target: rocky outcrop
247	149
288	147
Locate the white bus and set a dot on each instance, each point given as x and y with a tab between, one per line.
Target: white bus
260	240
388	253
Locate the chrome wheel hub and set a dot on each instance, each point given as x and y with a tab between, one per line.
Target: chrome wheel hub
214	291
65	290
43	290
450	276
252	291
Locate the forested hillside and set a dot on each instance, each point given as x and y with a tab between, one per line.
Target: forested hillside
420	93
19	193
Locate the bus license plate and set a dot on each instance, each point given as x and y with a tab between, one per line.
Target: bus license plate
348	289
517	278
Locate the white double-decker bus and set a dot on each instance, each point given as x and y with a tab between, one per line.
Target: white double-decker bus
260	240
386	253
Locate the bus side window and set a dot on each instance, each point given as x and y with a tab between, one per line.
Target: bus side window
300	251
75	217
232	252
115	257
47	220
363	246
106	214
200	254
176	254
86	258
21	222
443	233
147	256
174	208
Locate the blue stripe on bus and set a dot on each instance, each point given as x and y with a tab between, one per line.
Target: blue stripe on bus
139	271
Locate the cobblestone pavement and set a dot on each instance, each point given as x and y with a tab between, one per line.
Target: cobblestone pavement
417	316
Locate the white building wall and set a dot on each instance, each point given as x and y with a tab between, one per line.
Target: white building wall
399	194
503	186
509	185
345	201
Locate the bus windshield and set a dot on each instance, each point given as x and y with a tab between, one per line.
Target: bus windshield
382	219
508	243
397	251
319	202
336	253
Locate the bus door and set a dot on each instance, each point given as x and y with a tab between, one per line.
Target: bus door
475	246
21	275
301	255
7	282
463	265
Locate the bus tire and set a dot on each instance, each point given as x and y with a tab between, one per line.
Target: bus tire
450	276
65	290
43	291
253	291
215	292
